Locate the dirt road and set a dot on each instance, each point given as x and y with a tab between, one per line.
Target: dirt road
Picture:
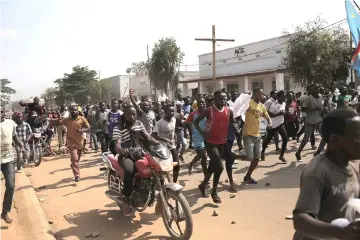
258	210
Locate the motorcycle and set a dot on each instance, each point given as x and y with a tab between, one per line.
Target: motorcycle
35	144
152	179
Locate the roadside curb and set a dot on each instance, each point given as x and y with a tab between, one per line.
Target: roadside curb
31	215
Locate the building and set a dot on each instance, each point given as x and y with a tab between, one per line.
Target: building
119	86
142	86
244	68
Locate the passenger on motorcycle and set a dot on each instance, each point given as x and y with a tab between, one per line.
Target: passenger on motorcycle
34	107
126	143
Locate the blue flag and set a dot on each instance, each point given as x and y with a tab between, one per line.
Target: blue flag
353	20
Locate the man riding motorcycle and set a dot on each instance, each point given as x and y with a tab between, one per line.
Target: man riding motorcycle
126	143
34	121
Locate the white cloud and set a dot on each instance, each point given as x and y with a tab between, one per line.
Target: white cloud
9	33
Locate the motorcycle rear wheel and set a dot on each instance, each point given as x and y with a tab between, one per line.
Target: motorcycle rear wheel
186	213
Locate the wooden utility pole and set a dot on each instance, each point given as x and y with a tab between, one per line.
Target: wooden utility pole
148	65
214	40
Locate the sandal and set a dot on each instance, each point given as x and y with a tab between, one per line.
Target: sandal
202	189
233	188
249	180
215	197
282	159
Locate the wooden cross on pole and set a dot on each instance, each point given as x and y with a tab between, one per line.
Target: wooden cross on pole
214	40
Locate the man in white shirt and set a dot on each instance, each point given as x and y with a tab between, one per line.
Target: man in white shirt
8	135
231	102
238	124
267	105
277	111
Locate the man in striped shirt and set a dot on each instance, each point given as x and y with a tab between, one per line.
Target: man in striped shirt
126	138
145	114
24	133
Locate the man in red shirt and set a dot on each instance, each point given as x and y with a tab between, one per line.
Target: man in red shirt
218	118
291	116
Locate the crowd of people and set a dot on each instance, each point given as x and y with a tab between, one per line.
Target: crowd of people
210	124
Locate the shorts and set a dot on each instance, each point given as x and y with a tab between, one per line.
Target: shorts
252	147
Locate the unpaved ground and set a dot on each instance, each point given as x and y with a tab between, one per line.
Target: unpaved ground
259	210
16	229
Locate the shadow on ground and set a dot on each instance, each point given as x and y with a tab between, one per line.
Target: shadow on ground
111	225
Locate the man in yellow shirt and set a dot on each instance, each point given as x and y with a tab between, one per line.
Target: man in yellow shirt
251	132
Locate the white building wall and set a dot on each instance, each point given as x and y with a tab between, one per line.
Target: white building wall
119	84
124	86
141	84
228	63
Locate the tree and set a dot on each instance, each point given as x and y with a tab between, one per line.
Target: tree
164	65
139	68
6	91
76	85
316	54
49	96
100	91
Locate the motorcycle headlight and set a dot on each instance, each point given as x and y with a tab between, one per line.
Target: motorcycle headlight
166	164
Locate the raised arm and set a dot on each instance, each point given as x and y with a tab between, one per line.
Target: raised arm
133	102
21	103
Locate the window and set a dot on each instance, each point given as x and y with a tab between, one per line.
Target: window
278	52
273	85
232	87
257	83
258	55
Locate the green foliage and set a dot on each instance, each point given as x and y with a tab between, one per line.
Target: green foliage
49	96
316	54
100	91
139	68
76	85
6	91
164	64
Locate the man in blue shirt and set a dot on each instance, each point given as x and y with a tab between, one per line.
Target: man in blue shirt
186	108
197	137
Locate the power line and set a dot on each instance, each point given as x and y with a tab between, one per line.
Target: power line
270	48
259	51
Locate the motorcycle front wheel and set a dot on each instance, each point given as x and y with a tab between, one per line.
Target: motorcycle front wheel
37	156
180	212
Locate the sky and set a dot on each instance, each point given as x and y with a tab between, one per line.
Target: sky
43	39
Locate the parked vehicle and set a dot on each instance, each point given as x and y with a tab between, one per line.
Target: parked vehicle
152	179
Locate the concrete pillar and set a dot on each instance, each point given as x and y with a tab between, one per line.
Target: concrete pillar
185	89
280	85
246	84
200	87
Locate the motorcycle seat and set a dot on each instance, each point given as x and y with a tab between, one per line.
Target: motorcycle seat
114	163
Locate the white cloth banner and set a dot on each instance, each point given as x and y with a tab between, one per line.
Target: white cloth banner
241	104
